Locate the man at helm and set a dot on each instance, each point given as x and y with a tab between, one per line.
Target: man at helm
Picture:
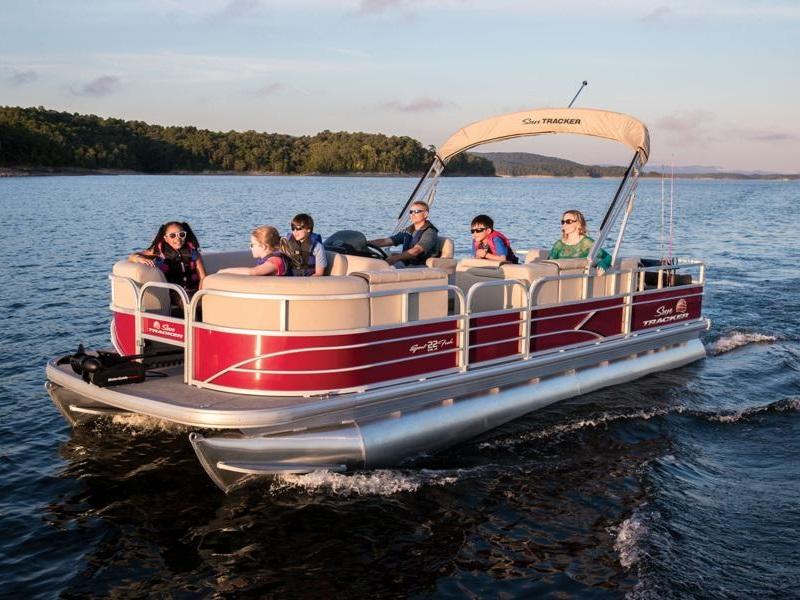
419	240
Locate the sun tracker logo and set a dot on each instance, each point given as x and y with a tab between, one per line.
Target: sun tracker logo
665	314
558	121
164	329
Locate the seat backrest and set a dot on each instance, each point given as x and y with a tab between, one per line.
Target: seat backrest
423	305
569	289
445	248
472	271
124	296
536	254
337	263
365	263
546	292
301	315
214	261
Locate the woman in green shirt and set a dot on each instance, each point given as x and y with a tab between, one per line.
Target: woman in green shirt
574	242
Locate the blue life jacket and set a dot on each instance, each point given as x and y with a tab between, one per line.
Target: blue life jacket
301	254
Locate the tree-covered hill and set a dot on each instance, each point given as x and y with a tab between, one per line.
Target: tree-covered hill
518	164
38	137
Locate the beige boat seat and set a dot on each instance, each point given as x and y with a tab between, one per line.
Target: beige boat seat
124	295
337	263
471	271
301	315
389	309
546	292
536	254
214	261
443	257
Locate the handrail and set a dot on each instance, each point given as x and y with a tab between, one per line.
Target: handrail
462	315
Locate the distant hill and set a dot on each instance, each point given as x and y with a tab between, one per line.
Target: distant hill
526	164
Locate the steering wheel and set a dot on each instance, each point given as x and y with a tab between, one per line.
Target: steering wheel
377	252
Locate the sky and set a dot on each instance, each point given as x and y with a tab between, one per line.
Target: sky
715	81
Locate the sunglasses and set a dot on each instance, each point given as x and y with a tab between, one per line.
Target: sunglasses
298	227
568	221
416	211
178	234
255	245
478	230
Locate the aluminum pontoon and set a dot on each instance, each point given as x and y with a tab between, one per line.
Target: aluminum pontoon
371	366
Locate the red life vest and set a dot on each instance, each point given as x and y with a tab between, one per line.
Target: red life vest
489	243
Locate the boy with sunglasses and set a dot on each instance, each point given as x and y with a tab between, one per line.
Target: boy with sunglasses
419	240
304	248
488	243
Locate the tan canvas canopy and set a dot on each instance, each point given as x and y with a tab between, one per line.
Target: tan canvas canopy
580	121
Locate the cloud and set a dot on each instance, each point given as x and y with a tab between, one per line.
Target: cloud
238	8
767	136
269	89
22	77
374	7
657	15
102	86
418	105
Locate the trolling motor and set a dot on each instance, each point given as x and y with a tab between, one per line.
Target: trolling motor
105	369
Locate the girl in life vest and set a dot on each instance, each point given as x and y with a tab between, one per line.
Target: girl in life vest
176	252
490	244
265	247
304	248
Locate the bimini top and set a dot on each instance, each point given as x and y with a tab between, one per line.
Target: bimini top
581	121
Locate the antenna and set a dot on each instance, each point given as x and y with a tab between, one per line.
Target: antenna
580	89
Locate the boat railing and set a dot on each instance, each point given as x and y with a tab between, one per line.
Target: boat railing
517	330
457	318
486	321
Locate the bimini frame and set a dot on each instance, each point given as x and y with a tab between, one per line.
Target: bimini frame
578	121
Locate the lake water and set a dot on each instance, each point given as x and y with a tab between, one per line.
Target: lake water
683	484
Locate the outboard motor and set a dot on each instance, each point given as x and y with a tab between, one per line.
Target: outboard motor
105	369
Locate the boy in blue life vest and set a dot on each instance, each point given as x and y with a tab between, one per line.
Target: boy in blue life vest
488	243
304	248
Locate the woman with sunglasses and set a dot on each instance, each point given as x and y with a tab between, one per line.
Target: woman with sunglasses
574	242
176	252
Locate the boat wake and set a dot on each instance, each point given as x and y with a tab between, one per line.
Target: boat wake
721	416
566	428
137	424
737	339
779	406
629	537
385	482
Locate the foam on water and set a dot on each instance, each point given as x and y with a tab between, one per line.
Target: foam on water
600	420
737	339
785	405
136	424
630	535
386	482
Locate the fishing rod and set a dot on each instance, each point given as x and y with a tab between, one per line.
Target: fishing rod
580	89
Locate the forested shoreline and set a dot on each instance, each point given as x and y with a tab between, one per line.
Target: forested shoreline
42	139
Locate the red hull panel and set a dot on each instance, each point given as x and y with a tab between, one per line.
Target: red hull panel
125	329
576	323
428	348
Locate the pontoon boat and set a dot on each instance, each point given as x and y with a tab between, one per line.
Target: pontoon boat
371	366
